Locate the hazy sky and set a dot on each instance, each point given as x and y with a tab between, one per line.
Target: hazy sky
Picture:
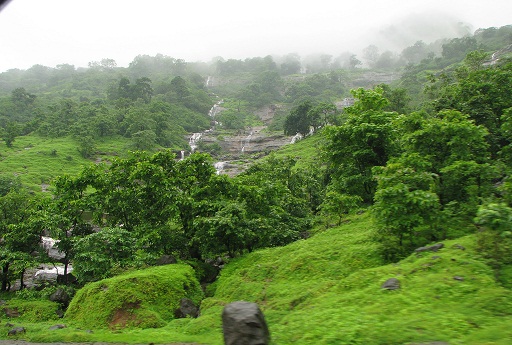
52	32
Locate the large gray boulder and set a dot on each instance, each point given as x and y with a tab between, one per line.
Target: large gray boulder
243	323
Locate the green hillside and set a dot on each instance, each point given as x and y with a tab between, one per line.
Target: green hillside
37	160
309	232
327	290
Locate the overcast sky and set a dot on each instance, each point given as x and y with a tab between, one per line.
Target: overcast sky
52	32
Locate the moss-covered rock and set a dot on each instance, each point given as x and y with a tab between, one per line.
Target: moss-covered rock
142	299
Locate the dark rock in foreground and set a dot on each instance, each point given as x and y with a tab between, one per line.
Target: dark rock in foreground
243	323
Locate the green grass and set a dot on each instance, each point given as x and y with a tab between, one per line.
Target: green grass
323	290
307	151
37	160
143	299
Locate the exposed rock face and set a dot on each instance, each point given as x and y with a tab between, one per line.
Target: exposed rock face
52	328
11	312
60	296
391	284
187	309
166	260
16	331
243	323
433	248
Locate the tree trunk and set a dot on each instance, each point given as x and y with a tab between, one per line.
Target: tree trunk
5	277
22	282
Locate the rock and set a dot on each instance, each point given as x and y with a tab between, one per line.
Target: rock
391	284
11	312
243	323
433	248
60	296
66	279
9	324
16	331
187	309
459	278
52	328
60	313
458	246
166	260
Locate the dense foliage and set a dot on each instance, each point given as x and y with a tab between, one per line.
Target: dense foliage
429	160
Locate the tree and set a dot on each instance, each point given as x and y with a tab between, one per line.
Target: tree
406	208
66	221
298	121
10	132
368	138
98	255
339	204
142	89
371	54
494	240
20	234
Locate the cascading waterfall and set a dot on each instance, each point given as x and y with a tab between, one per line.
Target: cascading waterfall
295	138
219	166
246	141
193	141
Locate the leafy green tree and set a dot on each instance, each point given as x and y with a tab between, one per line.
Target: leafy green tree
298	121
86	146
339	204
22	99
407	207
494	240
20	234
483	94
367	139
10	132
101	254
457	151
65	218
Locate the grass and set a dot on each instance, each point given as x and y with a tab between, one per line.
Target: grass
307	150
37	160
327	290
323	290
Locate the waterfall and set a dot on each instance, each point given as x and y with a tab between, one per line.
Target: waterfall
193	141
246	141
219	166
295	138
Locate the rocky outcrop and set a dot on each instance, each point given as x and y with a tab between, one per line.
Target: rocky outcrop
391	284
243	323
16	331
187	309
60	296
433	248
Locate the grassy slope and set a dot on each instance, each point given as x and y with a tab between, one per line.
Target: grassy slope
38	160
327	290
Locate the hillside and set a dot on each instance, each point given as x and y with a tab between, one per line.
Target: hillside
328	290
185	189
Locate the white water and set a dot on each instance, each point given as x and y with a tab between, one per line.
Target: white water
296	138
245	142
219	167
192	142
